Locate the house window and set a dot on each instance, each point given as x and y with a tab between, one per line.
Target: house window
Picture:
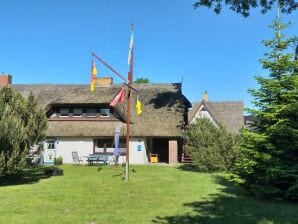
105	143
51	144
104	112
91	112
77	112
107	146
64	112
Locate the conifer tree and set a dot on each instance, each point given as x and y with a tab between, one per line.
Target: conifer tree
22	124
269	162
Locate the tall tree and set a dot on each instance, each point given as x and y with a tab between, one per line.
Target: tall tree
22	124
244	6
269	166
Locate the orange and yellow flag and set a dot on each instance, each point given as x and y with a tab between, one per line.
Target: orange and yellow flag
93	75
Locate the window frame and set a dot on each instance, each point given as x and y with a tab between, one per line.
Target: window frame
51	142
105	109
64	108
92	116
77	115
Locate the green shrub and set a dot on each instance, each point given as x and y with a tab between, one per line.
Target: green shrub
212	148
58	160
52	171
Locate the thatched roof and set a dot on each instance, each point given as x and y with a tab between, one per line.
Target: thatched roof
228	113
164	107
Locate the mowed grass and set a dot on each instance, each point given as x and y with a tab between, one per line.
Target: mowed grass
154	194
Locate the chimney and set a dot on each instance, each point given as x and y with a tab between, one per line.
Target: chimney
205	96
103	81
5	79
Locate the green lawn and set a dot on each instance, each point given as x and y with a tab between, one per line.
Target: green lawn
154	194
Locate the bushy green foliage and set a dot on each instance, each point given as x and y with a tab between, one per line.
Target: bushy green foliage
22	124
212	148
58	160
269	162
245	6
141	80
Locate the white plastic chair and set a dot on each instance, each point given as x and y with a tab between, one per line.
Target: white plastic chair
76	159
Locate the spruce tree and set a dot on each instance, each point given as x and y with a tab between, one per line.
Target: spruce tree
269	162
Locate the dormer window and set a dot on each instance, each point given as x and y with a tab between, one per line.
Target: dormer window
82	112
104	112
77	112
64	112
91	112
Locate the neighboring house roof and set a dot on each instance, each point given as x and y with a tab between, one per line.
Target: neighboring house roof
164	107
228	113
249	121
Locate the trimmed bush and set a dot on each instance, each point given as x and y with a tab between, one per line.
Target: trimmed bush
58	161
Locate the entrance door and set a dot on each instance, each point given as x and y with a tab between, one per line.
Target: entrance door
161	147
50	151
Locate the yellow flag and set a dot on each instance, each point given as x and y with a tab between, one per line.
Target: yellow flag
93	75
139	107
94	69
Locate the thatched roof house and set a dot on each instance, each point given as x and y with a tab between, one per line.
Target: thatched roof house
164	108
227	113
83	121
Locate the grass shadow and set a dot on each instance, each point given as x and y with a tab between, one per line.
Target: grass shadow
118	175
189	167
230	206
26	176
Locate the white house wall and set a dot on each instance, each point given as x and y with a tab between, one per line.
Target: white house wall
203	114
64	147
84	147
137	151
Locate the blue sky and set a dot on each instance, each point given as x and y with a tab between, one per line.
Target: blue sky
52	41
